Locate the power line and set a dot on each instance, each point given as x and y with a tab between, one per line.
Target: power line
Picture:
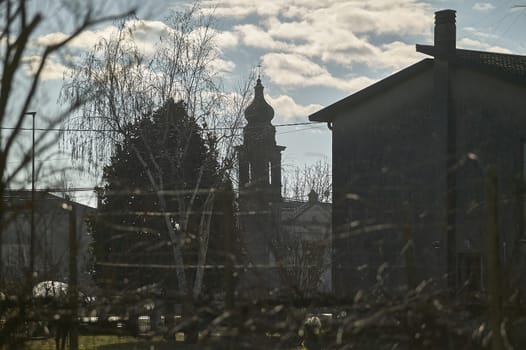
73	189
110	130
303	129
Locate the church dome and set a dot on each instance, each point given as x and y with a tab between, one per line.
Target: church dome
259	110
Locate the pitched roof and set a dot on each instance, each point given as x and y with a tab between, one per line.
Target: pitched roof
291	210
328	113
505	66
11	196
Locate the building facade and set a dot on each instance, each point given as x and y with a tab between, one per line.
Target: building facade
51	245
411	155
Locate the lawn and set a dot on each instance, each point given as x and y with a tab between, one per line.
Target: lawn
107	342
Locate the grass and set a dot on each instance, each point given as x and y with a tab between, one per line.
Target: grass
114	342
107	342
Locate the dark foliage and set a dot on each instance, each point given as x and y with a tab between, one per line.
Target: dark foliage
164	172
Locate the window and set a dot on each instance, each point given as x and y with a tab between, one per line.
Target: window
270	173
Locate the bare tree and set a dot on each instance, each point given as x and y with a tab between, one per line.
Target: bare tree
131	85
298	182
303	264
21	22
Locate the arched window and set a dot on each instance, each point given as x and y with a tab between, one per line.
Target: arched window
249	172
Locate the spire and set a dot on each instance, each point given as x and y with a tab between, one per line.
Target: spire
259	111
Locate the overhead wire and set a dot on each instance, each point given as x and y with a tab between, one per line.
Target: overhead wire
312	126
109	130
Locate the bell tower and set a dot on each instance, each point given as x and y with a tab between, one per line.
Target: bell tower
259	159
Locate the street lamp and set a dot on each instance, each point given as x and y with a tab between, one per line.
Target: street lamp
32	236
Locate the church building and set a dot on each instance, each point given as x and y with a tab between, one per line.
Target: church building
281	239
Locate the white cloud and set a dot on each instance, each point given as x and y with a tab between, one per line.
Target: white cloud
325	42
254	36
396	55
393	55
468	43
147	37
297	71
481	34
483	6
287	108
145	34
235	12
333	31
499	49
50	39
379	16
85	40
52	70
226	39
473	44
220	65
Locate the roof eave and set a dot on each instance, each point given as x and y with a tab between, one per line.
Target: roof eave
456	59
328	113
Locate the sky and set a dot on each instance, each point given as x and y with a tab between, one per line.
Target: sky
312	52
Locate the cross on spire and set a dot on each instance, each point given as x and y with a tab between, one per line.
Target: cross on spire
259	70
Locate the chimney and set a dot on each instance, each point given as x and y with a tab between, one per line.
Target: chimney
445	33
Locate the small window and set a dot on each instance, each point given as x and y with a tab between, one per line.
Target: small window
270	173
249	172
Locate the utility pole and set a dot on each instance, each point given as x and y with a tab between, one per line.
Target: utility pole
494	268
229	262
32	234
73	287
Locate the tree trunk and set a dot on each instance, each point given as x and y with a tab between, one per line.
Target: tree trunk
191	331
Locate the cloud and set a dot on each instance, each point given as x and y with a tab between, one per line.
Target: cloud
287	108
344	32
220	65
294	70
379	16
147	37
53	70
235	12
393	55
226	39
145	34
396	55
85	40
481	34
50	39
483	6
468	43
254	36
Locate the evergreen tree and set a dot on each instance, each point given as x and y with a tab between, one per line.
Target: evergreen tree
163	177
